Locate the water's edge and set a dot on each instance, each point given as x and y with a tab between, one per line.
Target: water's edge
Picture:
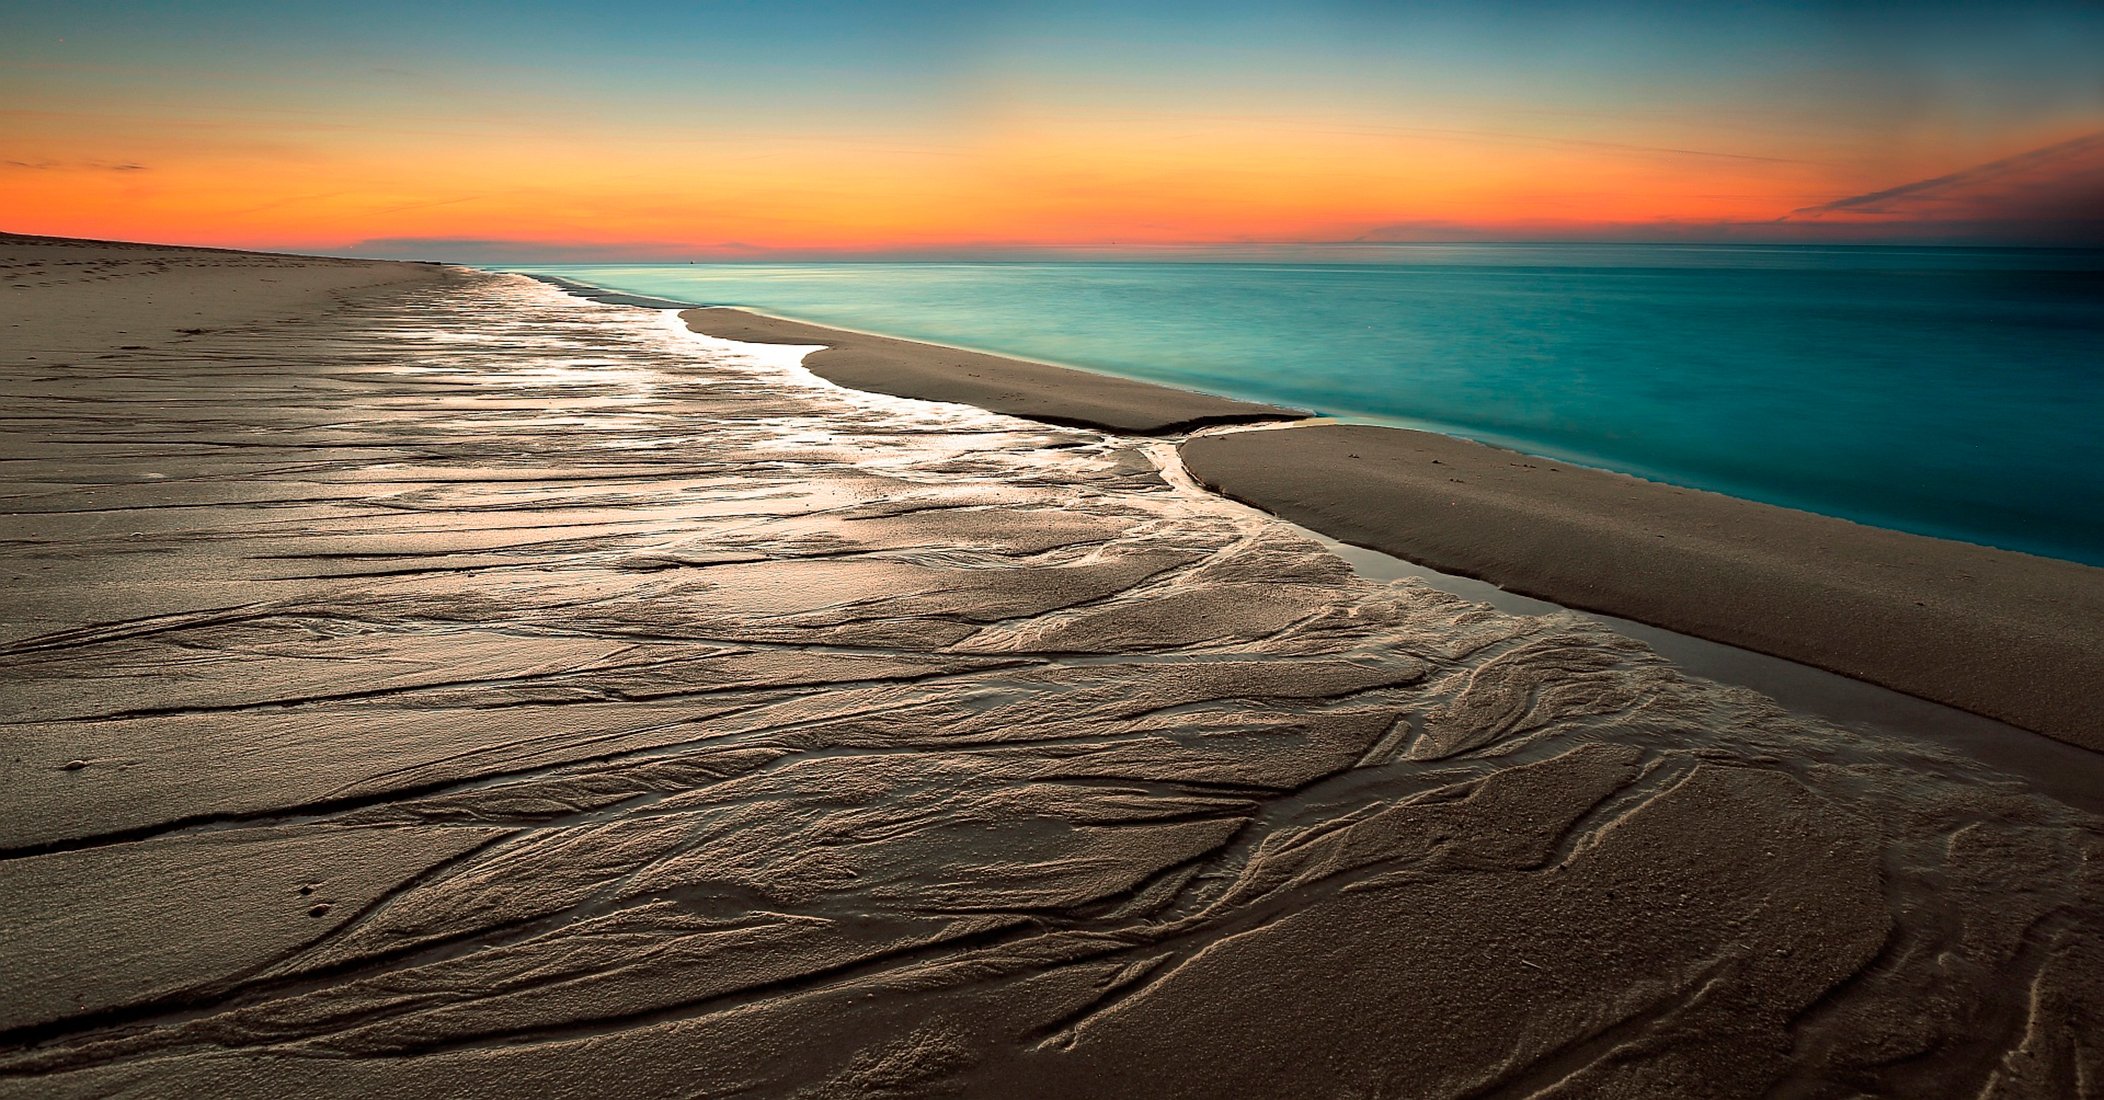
1872	410
2067	772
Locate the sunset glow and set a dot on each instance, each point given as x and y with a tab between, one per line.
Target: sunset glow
725	131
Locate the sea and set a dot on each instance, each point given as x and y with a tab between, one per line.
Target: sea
1953	392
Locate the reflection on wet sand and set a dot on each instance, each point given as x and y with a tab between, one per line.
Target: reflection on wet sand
484	689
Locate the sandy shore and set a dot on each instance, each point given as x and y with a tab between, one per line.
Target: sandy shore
2008	635
1017	387
422	681
88	296
2011	636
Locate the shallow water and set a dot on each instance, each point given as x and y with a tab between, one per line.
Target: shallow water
1951	392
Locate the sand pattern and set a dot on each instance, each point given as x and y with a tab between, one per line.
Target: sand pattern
2012	636
472	689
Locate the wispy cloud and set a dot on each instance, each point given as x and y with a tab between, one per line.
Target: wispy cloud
73	165
2050	195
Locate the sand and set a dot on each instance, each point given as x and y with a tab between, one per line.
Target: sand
2008	635
452	687
88	297
1003	384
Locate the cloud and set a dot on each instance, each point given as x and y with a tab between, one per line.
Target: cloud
2048	196
73	165
2053	195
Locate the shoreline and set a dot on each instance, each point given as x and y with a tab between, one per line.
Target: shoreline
2006	635
1978	468
2063	769
1999	633
1049	393
1045	392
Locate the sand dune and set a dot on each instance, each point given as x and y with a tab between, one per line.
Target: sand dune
464	689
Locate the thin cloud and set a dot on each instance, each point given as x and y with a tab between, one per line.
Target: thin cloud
2061	183
2048	196
73	165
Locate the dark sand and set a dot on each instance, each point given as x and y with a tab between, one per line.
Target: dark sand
2008	635
452	688
1018	387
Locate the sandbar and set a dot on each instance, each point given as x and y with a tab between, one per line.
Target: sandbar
999	383
2009	635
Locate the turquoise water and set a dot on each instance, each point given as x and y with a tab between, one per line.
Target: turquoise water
1953	392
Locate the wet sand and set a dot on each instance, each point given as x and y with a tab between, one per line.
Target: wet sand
1002	384
2002	634
464	688
1999	633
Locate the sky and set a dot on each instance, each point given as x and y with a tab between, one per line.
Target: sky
527	131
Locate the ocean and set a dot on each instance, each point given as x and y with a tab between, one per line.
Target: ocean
1950	392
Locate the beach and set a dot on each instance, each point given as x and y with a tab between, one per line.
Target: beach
1933	391
423	678
2009	635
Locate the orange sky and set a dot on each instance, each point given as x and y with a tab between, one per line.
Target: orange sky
1301	135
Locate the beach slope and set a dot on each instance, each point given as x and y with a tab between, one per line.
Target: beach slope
2008	635
1000	383
110	296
